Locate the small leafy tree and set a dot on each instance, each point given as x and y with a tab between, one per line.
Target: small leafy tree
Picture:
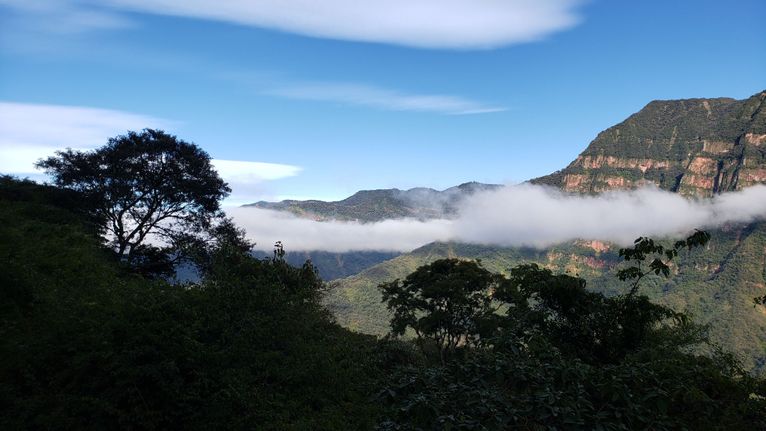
645	248
146	184
446	302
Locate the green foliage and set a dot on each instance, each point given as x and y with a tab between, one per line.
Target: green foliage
144	185
335	265
86	345
541	391
564	357
713	285
446	302
645	248
584	324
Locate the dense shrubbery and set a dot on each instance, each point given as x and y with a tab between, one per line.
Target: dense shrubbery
556	356
87	341
544	389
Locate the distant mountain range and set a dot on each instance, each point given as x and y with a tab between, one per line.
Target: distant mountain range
377	205
695	147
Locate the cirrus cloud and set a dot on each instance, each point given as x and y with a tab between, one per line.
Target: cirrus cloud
421	23
385	99
440	24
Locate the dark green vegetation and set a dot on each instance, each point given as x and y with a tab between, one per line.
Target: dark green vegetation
714	286
332	265
538	351
446	303
87	343
377	205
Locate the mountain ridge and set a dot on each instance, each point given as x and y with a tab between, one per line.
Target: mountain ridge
697	147
382	204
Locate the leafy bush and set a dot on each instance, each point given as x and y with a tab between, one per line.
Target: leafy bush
85	344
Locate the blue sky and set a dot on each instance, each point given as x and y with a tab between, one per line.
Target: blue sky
335	96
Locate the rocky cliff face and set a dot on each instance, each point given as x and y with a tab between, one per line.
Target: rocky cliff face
697	147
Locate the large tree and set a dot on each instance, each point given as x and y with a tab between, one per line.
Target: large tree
146	185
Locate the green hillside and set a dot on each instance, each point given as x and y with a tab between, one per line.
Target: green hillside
332	265
85	343
356	301
716	286
88	343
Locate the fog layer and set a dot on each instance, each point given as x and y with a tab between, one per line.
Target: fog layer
522	215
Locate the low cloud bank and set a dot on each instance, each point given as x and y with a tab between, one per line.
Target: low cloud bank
524	215
265	227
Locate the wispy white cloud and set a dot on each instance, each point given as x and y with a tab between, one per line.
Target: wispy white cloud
64	16
422	23
385	99
29	132
461	24
524	215
251	172
246	178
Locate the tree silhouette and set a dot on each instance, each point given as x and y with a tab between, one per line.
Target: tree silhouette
646	248
147	185
446	302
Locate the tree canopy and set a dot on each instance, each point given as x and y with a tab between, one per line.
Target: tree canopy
446	302
143	185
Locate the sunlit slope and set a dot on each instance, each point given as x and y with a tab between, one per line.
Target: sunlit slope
697	147
716	285
356	300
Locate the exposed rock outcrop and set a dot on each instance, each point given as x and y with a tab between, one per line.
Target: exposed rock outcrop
697	147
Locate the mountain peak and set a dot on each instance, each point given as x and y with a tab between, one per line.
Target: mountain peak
382	204
697	147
